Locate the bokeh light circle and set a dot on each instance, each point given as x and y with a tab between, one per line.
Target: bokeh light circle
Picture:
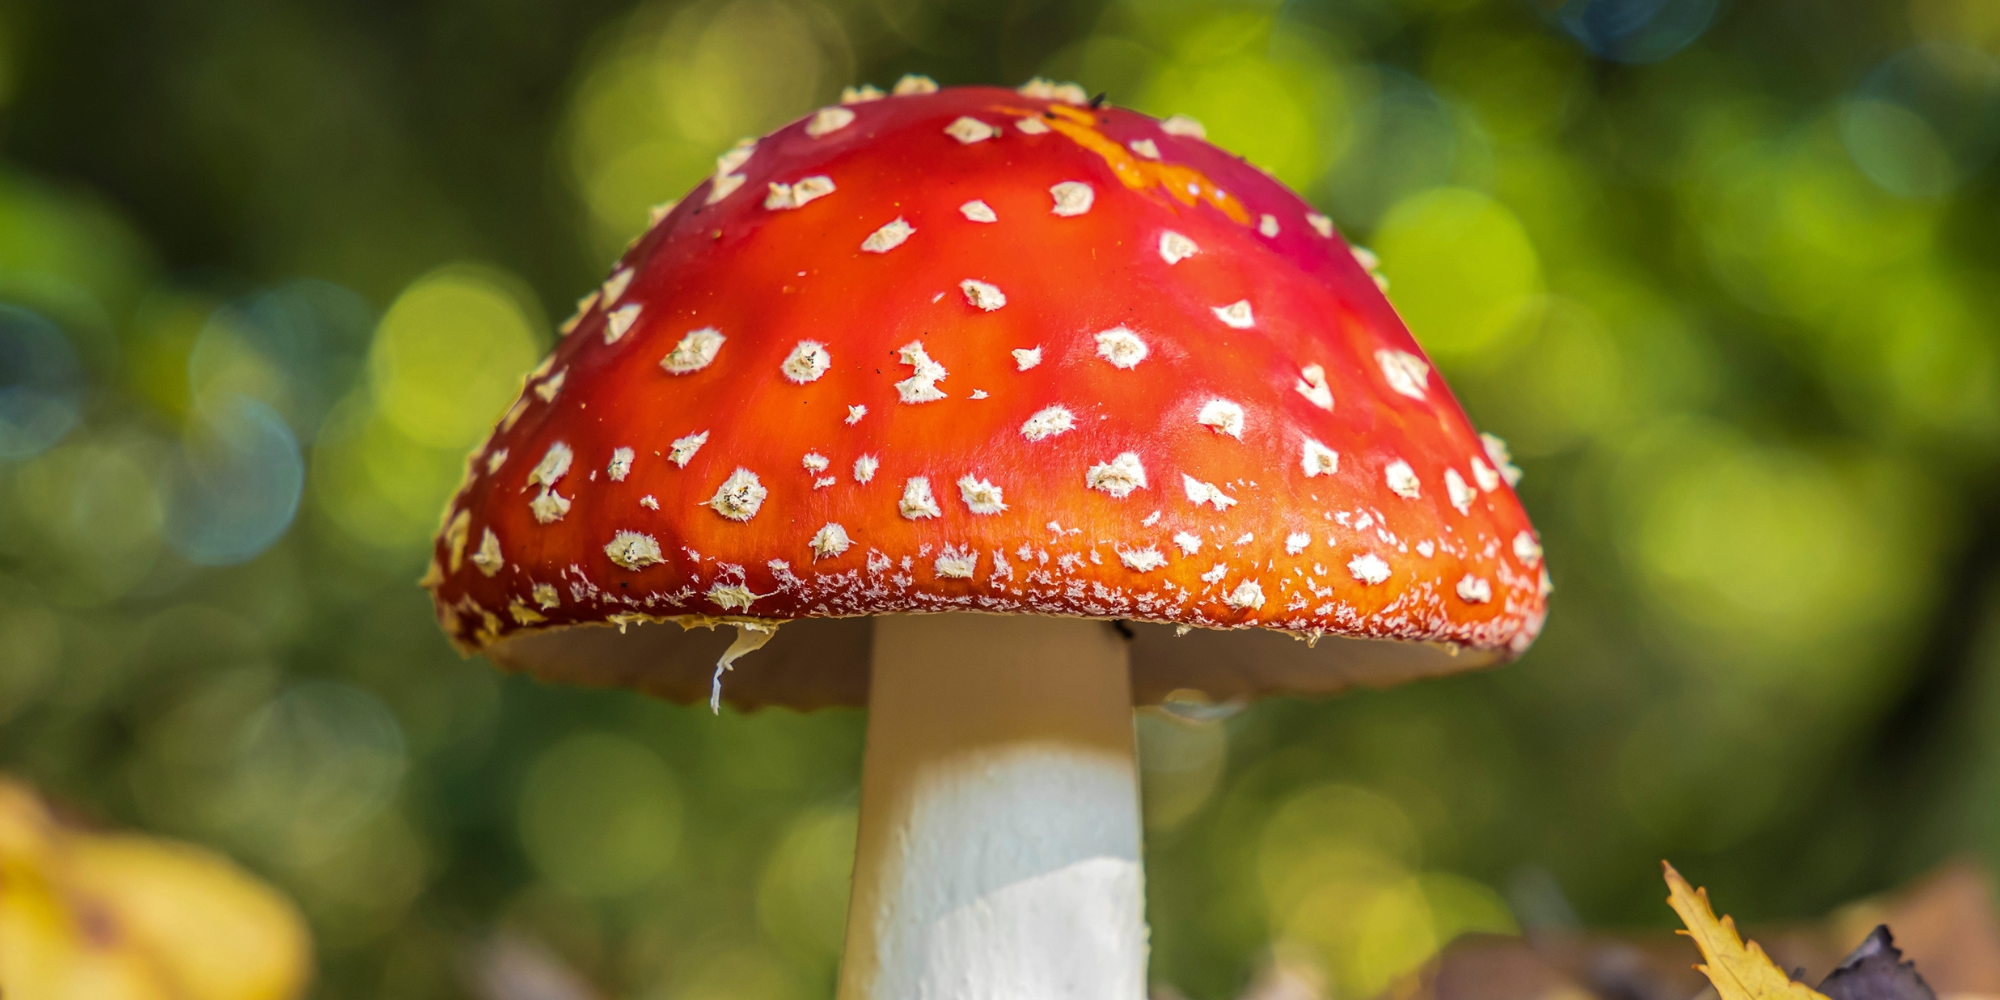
294	347
1925	120
234	485
449	354
41	384
600	815
1404	140
1463	267
1634	31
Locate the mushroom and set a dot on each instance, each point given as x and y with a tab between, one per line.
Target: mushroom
998	413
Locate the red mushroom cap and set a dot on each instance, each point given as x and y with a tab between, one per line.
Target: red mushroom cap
976	349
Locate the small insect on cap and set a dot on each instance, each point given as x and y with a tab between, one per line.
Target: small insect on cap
977	349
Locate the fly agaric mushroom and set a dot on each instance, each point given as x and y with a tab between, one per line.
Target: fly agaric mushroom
996	412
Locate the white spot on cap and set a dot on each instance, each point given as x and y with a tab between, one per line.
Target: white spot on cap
1402	480
487	556
1072	198
969	130
914	83
807	362
621	464
1118	477
550	386
1312	385
1121	347
662	210
977	394
864	468
583	307
495	461
1321	224
731	596
544	595
1032	126
724	186
695	351
1484	475
1048	422
1216	573
1372	264
1184	125
619	321
633	550
1461	493
1368	568
1503	460
1317	459
889	237
829	120
921	386
829	541
1246	595
1027	357
978	211
1474	590
685	447
1405	372
649	502
796	195
514	414
1146	148
740	496
1268	226
1049	90
918	502
1206	493
815	463
1526	549
861	95
1296	542
1236	315
1425	548
1144	560
548	506
1189	543
1175	248
980	495
956	563
737	156
982	295
1226	417
855	413
553	466
614	286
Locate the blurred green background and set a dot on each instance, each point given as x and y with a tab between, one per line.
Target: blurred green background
1725	274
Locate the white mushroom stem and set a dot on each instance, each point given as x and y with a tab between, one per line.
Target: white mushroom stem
998	852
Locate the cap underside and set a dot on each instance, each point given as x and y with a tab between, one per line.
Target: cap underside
823	662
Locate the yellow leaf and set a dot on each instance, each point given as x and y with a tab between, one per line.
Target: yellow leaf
98	916
1739	970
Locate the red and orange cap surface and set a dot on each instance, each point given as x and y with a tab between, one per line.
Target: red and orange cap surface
976	349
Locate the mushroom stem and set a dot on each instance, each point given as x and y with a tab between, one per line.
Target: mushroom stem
998	851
